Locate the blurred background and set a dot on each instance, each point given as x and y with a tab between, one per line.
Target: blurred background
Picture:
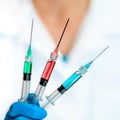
97	95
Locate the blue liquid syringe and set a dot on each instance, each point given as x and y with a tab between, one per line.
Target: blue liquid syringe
70	81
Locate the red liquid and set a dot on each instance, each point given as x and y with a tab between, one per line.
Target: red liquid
48	70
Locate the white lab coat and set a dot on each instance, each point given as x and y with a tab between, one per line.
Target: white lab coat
96	95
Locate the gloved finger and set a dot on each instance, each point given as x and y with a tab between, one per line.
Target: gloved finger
21	118
7	117
27	110
32	99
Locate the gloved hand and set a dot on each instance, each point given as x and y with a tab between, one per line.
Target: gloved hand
26	111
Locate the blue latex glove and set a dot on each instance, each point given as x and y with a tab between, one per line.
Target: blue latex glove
26	111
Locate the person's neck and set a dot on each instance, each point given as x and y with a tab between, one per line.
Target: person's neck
60	8
54	13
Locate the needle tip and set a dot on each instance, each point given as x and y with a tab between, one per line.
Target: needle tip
107	46
100	53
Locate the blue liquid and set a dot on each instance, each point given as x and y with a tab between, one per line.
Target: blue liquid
71	80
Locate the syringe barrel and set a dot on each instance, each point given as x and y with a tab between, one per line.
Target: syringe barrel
75	77
41	88
27	67
71	80
25	90
54	96
45	78
26	80
48	69
39	92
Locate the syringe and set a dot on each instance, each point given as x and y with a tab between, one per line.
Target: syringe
69	82
27	70
48	68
